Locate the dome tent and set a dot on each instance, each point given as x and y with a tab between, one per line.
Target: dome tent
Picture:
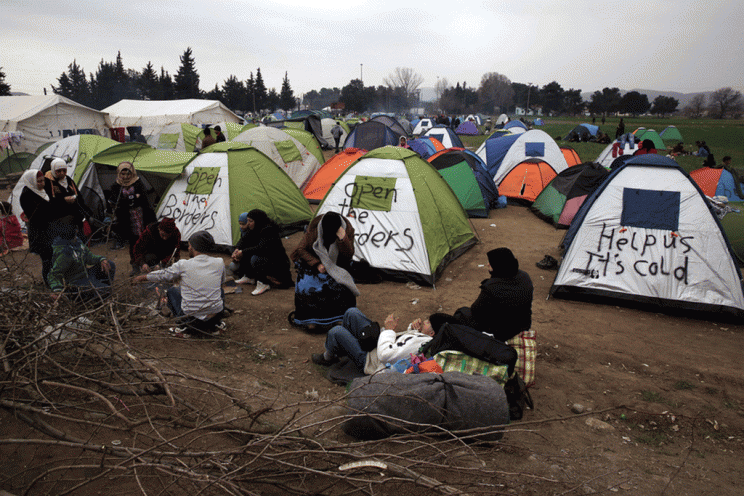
464	172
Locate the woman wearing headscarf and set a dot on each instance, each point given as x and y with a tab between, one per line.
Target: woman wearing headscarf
158	246
63	194
131	208
325	289
37	213
259	255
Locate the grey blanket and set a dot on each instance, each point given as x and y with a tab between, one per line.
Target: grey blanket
391	403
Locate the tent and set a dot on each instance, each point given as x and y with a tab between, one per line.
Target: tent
408	221
426	146
422	126
468	127
561	198
475	119
671	133
579	132
327	124
392	123
464	172
77	151
648	235
650	134
307	121
322	181
370	135
516	126
526	180
286	151
180	136
12	163
571	155
717	182
733	225
215	188
445	135
502	119
407	127
154	115
306	138
40	119
503	153
539	122
626	146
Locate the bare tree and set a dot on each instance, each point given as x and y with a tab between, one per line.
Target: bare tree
405	78
725	101
696	106
495	92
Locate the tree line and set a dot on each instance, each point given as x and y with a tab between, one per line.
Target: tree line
494	94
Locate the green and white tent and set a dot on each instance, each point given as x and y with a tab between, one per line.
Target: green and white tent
291	155
216	187
179	136
309	140
407	219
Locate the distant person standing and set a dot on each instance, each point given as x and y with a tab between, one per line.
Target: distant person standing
337	131
208	139
603	119
620	129
219	137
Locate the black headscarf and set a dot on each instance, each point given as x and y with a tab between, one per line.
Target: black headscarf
260	219
331	221
503	263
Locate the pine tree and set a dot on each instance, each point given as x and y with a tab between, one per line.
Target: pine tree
74	85
4	87
148	83
103	85
166	88
272	100
286	97
250	92
233	93
260	92
187	79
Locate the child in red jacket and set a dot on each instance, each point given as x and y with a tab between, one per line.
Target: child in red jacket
10	229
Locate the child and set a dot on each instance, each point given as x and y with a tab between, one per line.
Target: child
10	229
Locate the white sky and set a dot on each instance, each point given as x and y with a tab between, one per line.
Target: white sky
670	45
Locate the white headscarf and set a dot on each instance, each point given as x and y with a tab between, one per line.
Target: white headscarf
28	179
56	165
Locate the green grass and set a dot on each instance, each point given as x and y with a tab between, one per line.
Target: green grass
724	137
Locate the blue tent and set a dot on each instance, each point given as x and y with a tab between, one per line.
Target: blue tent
445	135
578	131
514	124
496	147
467	127
539	122
423	146
370	135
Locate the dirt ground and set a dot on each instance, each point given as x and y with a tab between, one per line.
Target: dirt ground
660	398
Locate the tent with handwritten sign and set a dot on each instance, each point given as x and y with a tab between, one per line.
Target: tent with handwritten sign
648	235
408	222
216	187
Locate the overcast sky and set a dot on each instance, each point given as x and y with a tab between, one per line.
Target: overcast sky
678	45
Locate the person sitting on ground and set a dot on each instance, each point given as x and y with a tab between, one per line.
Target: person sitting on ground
208	139
10	229
158	246
344	340
324	289
198	301
76	272
219	137
259	255
504	306
703	150
679	149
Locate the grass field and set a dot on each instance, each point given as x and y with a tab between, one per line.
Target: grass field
724	137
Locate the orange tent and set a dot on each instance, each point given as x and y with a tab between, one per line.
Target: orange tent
571	155
319	184
527	180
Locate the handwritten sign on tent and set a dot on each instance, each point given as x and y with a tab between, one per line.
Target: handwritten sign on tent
201	181
372	193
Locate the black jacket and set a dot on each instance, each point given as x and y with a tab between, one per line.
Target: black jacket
504	306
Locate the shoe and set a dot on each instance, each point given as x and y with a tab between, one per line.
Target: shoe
245	280
261	288
179	332
319	359
118	245
547	263
222	326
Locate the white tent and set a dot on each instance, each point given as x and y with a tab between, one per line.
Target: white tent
614	150
327	124
423	126
502	154
154	115
291	155
41	119
648	235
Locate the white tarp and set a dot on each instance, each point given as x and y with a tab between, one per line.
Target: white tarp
154	115
42	119
392	239
692	264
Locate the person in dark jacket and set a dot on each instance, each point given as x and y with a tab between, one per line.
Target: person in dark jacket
37	213
63	195
504	306
158	246
131	208
260	255
219	137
